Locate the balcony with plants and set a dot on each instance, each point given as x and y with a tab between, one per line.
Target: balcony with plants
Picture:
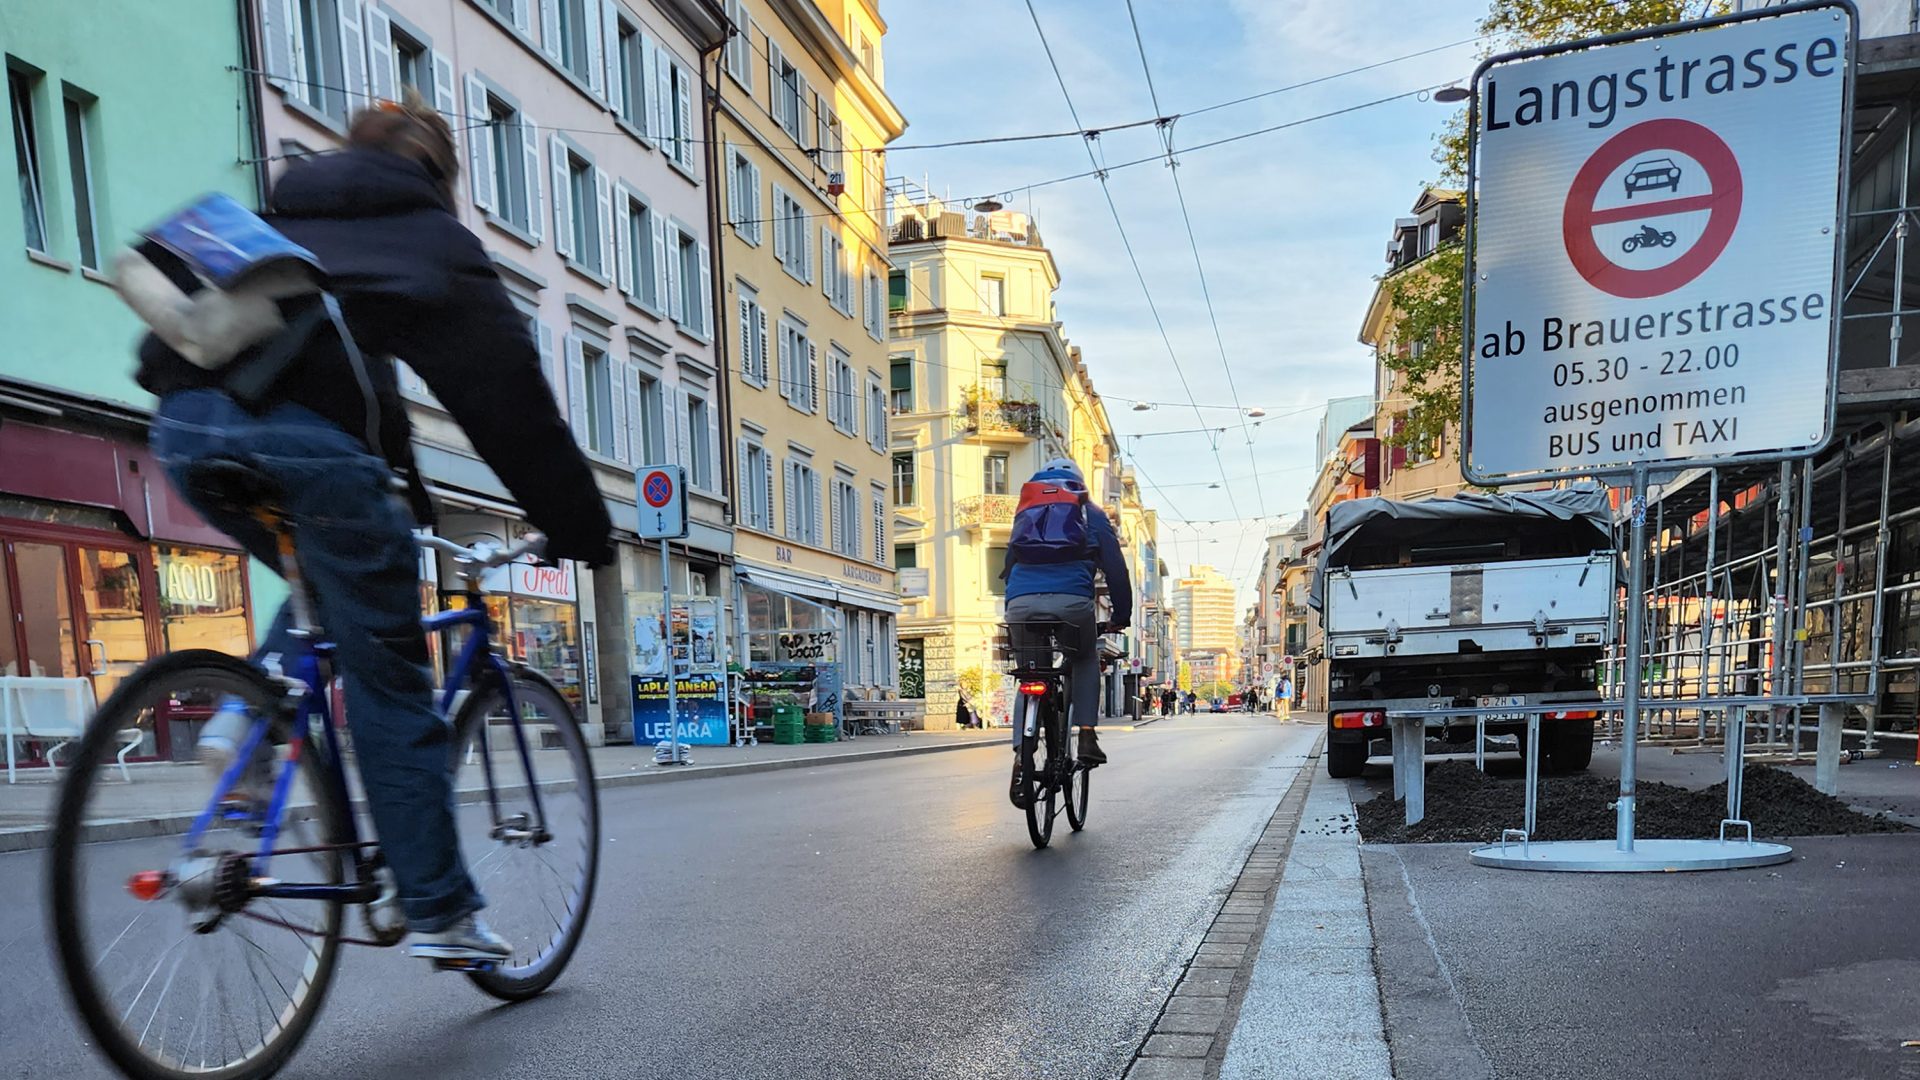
991	415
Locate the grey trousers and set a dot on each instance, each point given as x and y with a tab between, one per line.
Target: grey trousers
1083	680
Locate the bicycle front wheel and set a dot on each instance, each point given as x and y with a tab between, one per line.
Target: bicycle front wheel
532	838
1079	781
173	966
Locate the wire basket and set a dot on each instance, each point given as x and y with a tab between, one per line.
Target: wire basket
1040	646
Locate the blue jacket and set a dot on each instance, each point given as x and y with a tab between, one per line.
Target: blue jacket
1076	578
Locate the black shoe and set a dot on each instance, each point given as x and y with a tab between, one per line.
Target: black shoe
1090	753
1022	792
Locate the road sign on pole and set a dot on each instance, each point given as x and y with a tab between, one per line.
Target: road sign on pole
663	501
1653	252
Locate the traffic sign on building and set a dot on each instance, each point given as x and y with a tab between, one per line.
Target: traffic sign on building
1652	263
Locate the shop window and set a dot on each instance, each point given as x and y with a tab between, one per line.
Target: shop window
203	599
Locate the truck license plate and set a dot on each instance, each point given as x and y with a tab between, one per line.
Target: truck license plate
1497	702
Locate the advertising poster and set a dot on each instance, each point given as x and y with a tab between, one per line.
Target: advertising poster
703	711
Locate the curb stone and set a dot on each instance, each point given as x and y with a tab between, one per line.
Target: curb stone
1188	1040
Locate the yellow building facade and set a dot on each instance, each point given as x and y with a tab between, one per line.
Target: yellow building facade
800	123
983	389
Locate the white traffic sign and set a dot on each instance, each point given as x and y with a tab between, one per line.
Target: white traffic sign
663	501
1653	247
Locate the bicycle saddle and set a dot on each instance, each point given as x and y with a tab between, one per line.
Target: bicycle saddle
230	484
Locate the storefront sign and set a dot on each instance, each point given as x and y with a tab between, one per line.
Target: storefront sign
189	583
782	553
527	578
703	711
862	573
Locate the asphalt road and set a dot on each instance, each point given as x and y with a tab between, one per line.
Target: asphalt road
867	920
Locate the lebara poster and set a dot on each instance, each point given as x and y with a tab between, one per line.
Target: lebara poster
703	711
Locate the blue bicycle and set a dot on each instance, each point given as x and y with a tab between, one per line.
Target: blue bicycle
210	954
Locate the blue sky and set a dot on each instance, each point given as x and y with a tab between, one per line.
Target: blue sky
1292	226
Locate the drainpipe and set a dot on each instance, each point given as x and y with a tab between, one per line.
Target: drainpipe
710	110
251	102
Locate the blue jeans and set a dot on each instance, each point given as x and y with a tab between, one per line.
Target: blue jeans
362	569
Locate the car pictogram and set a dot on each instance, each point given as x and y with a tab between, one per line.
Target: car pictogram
1652	174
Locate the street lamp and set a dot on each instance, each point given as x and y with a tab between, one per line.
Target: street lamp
1142	406
1256	413
1450	95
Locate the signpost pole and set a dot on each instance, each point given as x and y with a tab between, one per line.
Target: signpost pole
1631	670
673	662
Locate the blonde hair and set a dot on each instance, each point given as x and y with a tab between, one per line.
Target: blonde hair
412	129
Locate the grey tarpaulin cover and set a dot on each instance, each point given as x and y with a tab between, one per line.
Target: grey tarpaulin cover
1581	517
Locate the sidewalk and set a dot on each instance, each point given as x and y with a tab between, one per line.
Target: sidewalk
164	797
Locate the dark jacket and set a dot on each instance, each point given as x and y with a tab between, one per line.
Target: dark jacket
415	284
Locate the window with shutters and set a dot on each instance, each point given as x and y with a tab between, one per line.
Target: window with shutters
574	24
905	479
319	77
598	369
794	244
799	367
879	502
830	141
873	313
835	280
412	64
583	221
803	518
508	161
690	277
630	56
640	272
787	92
843	393
743	197
739	54
679	124
700	465
756	486
897	291
751	335
848	519
993	294
901	372
906	556
649	429
876	414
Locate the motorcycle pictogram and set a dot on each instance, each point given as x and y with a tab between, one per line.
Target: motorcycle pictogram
1648	236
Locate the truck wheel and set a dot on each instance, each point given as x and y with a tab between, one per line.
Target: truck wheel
1568	745
1345	760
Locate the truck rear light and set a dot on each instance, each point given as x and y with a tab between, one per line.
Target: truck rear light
1578	714
1369	718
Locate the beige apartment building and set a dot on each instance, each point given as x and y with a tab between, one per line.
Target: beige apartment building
802	121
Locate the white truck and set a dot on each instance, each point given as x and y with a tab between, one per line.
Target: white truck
1478	601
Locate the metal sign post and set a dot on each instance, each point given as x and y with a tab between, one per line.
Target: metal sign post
1652	281
663	517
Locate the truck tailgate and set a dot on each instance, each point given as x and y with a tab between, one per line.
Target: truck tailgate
1430	610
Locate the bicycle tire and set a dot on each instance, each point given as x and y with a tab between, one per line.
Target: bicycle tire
511	982
1079	781
1042	796
80	970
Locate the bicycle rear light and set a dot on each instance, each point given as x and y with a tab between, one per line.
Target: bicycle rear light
1034	689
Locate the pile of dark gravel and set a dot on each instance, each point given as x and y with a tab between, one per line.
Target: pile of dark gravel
1466	805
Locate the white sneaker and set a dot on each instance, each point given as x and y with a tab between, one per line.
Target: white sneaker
466	939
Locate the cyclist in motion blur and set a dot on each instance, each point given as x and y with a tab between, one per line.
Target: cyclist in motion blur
333	435
1060	540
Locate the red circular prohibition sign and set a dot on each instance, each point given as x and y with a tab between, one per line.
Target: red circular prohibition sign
657	489
1723	200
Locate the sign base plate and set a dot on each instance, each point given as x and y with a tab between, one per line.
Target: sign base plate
1647	856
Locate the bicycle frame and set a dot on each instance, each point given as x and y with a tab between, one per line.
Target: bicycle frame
476	657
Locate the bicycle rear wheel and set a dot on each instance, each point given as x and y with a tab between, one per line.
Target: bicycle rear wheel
1043	798
535	865
172	967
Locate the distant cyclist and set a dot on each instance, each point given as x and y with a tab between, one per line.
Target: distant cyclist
333	434
1051	562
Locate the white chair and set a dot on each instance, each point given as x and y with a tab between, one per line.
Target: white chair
43	707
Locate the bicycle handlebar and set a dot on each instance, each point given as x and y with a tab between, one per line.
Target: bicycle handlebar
476	559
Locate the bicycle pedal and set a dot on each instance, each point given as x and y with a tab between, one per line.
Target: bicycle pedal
482	966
